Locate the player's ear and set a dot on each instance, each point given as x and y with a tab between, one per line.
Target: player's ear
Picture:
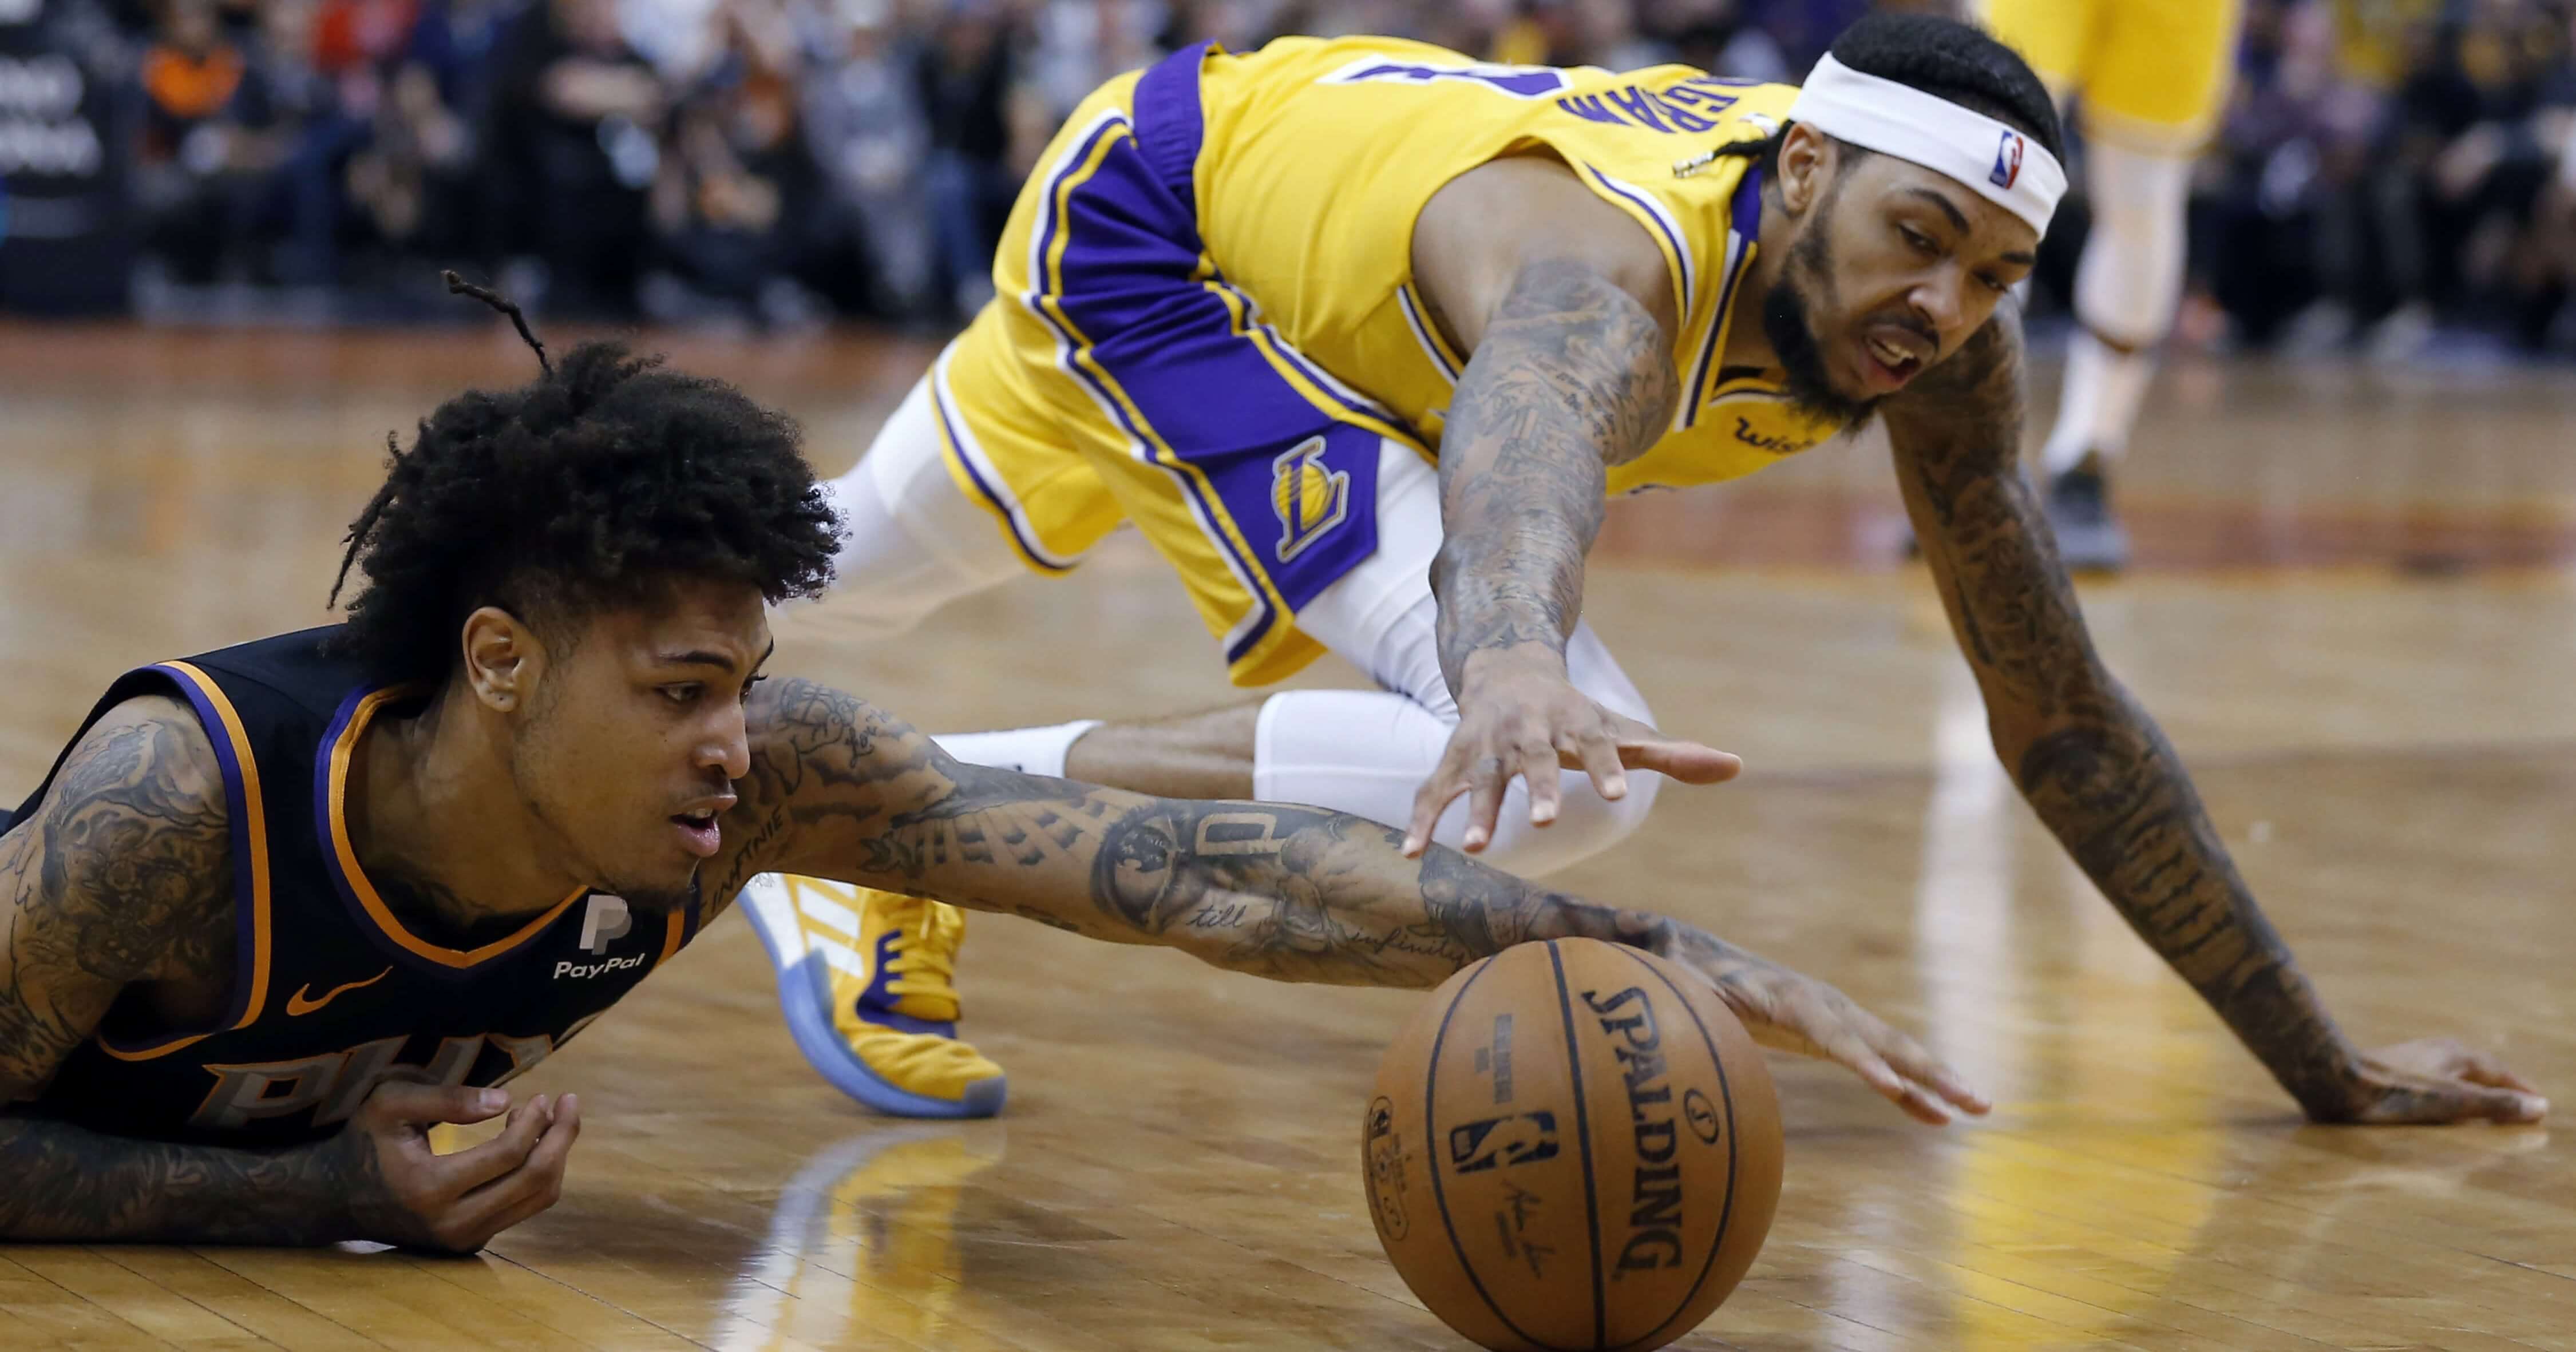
1806	162
503	660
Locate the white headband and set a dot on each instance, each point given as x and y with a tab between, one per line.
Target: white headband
1993	160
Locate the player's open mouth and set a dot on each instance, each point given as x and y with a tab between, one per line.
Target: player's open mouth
1887	363
699	833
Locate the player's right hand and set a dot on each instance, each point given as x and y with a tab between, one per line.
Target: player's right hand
403	1192
1522	719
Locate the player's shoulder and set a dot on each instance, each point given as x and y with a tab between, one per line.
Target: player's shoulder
134	832
147	752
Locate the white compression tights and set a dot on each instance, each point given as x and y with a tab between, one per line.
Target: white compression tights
916	544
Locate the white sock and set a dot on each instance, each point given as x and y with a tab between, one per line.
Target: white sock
1031	751
2104	388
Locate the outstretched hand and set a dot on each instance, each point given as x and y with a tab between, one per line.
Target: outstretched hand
1791	1012
1527	722
2433	1080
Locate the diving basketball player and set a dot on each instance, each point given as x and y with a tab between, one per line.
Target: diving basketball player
2150	77
277	909
1359	333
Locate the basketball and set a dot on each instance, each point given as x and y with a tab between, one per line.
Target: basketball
1572	1145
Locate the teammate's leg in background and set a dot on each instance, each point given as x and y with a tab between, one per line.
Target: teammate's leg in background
866	978
2126	289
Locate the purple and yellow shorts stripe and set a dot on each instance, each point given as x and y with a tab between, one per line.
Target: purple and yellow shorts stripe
1118	376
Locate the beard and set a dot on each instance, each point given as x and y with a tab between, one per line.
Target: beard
1788	320
647	899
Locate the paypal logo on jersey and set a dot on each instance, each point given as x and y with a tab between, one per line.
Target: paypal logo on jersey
604	921
1521	82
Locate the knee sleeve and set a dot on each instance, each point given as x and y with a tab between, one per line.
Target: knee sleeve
2131	276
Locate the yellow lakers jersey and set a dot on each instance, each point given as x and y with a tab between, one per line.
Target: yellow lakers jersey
1319	155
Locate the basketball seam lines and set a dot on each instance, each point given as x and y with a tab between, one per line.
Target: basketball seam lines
1583	1143
1726	1209
1431	1137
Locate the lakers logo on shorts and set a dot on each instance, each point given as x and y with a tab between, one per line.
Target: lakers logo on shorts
1309	498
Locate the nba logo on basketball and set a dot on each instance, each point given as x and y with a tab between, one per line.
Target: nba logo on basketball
2007	161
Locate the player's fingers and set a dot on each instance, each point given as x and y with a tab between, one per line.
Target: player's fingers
1486	779
2501	1105
1913	1061
1537	761
2477	1067
530	1188
1689	762
476	1166
2441	1102
1447	781
1874	1070
430	1104
1596	753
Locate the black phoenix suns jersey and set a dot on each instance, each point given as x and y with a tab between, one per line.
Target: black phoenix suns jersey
330	992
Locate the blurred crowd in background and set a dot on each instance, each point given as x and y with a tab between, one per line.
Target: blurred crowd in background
2388	170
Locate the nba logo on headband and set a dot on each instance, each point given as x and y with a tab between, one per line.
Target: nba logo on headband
1981	154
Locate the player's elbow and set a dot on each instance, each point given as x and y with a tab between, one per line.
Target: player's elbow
2018	728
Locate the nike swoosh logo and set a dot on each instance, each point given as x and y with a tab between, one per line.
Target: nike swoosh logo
297	1006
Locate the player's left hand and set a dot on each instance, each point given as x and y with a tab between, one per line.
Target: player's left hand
2433	1080
1522	719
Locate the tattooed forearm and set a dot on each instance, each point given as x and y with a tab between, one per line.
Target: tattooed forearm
122	874
2091	762
2111	788
1573	375
70	1185
1293	893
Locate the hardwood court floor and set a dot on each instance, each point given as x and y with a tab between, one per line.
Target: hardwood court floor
2384	730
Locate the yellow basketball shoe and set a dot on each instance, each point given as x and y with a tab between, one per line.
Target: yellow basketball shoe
864	977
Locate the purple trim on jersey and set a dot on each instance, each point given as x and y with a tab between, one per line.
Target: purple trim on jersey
1129	281
1171	123
1305	365
1108	399
331	734
245	905
1029	546
1747	213
1681	253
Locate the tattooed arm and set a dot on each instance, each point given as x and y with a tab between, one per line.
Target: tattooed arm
843	791
2102	776
122	877
1567	310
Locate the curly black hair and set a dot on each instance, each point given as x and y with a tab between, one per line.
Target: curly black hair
605	479
1947	59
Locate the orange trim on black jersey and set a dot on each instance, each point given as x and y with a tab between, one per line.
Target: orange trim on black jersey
248	807
343	748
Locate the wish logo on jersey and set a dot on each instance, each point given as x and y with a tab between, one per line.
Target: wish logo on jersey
1309	497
